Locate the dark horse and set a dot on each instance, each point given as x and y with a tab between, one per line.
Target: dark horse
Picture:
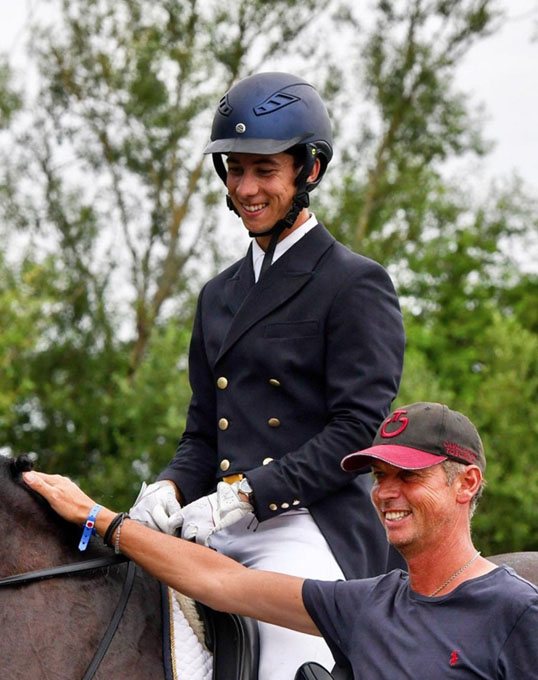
51	629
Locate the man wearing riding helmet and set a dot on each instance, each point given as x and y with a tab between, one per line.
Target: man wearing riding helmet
295	358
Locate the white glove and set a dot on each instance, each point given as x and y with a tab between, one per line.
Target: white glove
209	514
157	507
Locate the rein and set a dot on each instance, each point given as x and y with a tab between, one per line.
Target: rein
87	565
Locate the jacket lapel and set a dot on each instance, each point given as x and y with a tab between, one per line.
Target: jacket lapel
282	280
237	288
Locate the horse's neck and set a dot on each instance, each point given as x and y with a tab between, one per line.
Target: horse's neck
55	626
37	543
52	628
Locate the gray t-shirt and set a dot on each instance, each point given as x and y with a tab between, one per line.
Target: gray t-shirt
485	628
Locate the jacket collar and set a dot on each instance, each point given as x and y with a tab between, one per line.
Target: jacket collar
250	303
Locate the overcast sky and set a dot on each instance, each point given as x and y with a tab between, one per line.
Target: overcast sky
501	72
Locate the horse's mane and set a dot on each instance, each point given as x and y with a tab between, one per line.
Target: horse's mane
21	464
11	470
12	487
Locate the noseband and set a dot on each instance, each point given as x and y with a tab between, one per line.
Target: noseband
87	565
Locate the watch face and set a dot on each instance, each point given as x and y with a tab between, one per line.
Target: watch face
245	487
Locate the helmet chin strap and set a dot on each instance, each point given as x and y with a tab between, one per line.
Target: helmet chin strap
300	200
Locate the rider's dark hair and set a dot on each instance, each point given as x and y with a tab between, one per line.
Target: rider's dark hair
298	154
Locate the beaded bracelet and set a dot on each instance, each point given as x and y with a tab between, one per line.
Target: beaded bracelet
117	543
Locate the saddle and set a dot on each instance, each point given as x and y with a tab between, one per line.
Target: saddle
234	641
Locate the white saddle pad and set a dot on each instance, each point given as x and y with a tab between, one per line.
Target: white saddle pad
191	660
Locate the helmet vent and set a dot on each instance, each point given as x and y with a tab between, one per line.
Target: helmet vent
274	103
224	106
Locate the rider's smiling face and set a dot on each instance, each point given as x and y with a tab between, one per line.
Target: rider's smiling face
261	187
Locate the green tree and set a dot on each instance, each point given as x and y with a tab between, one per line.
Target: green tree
506	411
128	90
462	292
10	98
414	120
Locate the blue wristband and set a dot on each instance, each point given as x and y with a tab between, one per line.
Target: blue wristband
89	527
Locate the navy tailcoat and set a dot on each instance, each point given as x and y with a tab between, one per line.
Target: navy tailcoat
288	376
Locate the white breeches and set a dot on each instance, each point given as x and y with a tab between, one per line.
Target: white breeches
291	544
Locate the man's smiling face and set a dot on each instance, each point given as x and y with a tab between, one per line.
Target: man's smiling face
416	507
261	187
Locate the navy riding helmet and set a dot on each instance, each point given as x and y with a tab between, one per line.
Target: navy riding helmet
268	113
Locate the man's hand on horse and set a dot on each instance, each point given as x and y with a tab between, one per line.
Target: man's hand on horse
64	496
209	514
157	507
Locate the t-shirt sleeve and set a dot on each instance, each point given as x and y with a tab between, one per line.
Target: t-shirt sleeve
321	602
519	655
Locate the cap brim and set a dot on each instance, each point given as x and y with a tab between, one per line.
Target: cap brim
403	457
249	145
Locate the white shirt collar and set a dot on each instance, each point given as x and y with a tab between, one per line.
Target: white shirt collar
282	246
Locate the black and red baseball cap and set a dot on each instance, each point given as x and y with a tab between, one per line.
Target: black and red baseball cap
421	435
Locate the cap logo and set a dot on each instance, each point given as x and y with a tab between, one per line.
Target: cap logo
397	417
240	128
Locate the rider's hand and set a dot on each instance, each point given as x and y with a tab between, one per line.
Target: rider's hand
157	507
209	514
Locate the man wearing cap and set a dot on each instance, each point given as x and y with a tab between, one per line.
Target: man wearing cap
295	358
454	614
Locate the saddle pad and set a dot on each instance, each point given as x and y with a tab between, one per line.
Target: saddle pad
186	656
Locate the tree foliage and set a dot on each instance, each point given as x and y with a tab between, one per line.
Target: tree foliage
10	98
456	257
127	91
416	119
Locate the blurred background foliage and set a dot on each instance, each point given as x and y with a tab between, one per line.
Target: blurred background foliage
111	220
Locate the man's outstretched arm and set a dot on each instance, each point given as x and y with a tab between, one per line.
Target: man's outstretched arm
198	572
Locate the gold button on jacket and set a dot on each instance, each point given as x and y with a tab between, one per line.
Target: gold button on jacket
225	464
273	422
223	424
222	383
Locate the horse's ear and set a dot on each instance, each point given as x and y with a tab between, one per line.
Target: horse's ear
21	464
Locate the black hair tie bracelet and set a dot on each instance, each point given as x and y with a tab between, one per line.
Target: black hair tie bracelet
118	519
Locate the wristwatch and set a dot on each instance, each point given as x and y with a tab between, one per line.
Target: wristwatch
244	487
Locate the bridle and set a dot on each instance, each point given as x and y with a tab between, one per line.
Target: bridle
87	565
